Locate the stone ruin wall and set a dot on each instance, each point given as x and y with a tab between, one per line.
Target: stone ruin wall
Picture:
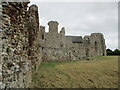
21	53
54	47
58	47
95	44
24	45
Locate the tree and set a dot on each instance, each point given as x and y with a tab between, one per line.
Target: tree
116	52
109	52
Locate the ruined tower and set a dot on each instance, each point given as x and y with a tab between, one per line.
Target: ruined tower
98	46
53	27
62	31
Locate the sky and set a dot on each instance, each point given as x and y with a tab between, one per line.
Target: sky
82	18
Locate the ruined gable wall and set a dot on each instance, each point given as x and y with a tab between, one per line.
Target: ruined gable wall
53	39
98	44
18	62
54	48
95	45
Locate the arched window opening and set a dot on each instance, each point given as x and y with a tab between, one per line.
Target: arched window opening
87	52
96	49
42	36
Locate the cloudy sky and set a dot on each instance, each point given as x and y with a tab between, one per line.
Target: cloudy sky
83	18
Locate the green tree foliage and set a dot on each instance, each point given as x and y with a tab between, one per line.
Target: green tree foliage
115	52
109	52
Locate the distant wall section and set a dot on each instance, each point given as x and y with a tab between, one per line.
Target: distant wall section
58	47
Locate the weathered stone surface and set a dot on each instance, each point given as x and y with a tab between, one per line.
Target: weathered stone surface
0	60
23	44
20	47
58	47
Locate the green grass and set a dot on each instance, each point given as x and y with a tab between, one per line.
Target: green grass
102	72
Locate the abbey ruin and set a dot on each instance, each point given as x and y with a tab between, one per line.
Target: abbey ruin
24	44
58	47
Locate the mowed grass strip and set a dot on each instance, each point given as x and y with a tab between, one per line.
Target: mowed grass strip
102	72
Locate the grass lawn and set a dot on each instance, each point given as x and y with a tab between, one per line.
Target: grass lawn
102	72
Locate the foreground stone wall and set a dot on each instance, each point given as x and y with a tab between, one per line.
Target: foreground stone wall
0	60
58	47
20	48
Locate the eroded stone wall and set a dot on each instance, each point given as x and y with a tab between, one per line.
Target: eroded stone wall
54	47
20	48
24	44
58	47
95	45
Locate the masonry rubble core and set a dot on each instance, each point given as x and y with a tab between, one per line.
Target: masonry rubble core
24	44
